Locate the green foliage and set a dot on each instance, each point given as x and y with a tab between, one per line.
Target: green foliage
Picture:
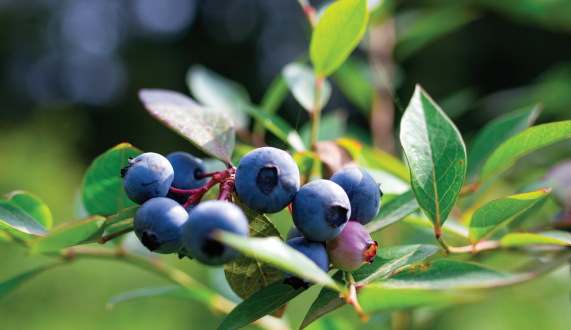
420	199
300	80
102	188
337	34
493	216
246	274
32	205
72	233
13	218
436	156
521	144
209	131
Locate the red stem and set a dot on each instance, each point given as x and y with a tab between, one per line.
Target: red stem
197	194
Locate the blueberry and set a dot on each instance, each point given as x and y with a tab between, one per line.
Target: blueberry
293	233
267	179
352	248
187	171
320	210
148	176
206	217
158	224
314	251
363	192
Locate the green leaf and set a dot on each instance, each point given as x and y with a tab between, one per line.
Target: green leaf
259	305
393	211
337	34
332	125
436	156
552	237
386	263
522	144
278	254
202	295
277	125
300	80
351	80
72	233
494	133
121	221
493	216
32	205
247	275
220	94
327	301
450	274
125	214
432	25
102	188
13	218
14	282
209	130
376	299
275	95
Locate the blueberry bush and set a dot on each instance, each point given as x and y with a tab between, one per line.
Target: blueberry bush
178	204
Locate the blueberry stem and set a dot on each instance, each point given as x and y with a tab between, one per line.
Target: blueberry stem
316	113
106	238
225	177
309	12
352	298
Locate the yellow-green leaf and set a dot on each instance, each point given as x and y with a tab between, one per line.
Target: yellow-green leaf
71	233
337	34
493	216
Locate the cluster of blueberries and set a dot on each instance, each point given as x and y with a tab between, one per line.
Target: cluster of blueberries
328	215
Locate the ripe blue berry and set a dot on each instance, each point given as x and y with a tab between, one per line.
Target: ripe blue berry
314	251
293	233
148	176
267	179
206	217
187	171
158	224
363	192
320	210
352	248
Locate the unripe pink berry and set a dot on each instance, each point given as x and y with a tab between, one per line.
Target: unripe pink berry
352	248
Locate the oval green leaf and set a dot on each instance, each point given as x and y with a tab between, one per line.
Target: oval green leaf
337	34
277	125
493	216
202	295
102	188
259	305
393	211
552	237
300	80
247	275
450	274
14	282
278	254
13	218
219	93
32	205
72	233
436	155
209	130
494	133
522	144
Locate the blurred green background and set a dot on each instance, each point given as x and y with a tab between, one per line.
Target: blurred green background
69	75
